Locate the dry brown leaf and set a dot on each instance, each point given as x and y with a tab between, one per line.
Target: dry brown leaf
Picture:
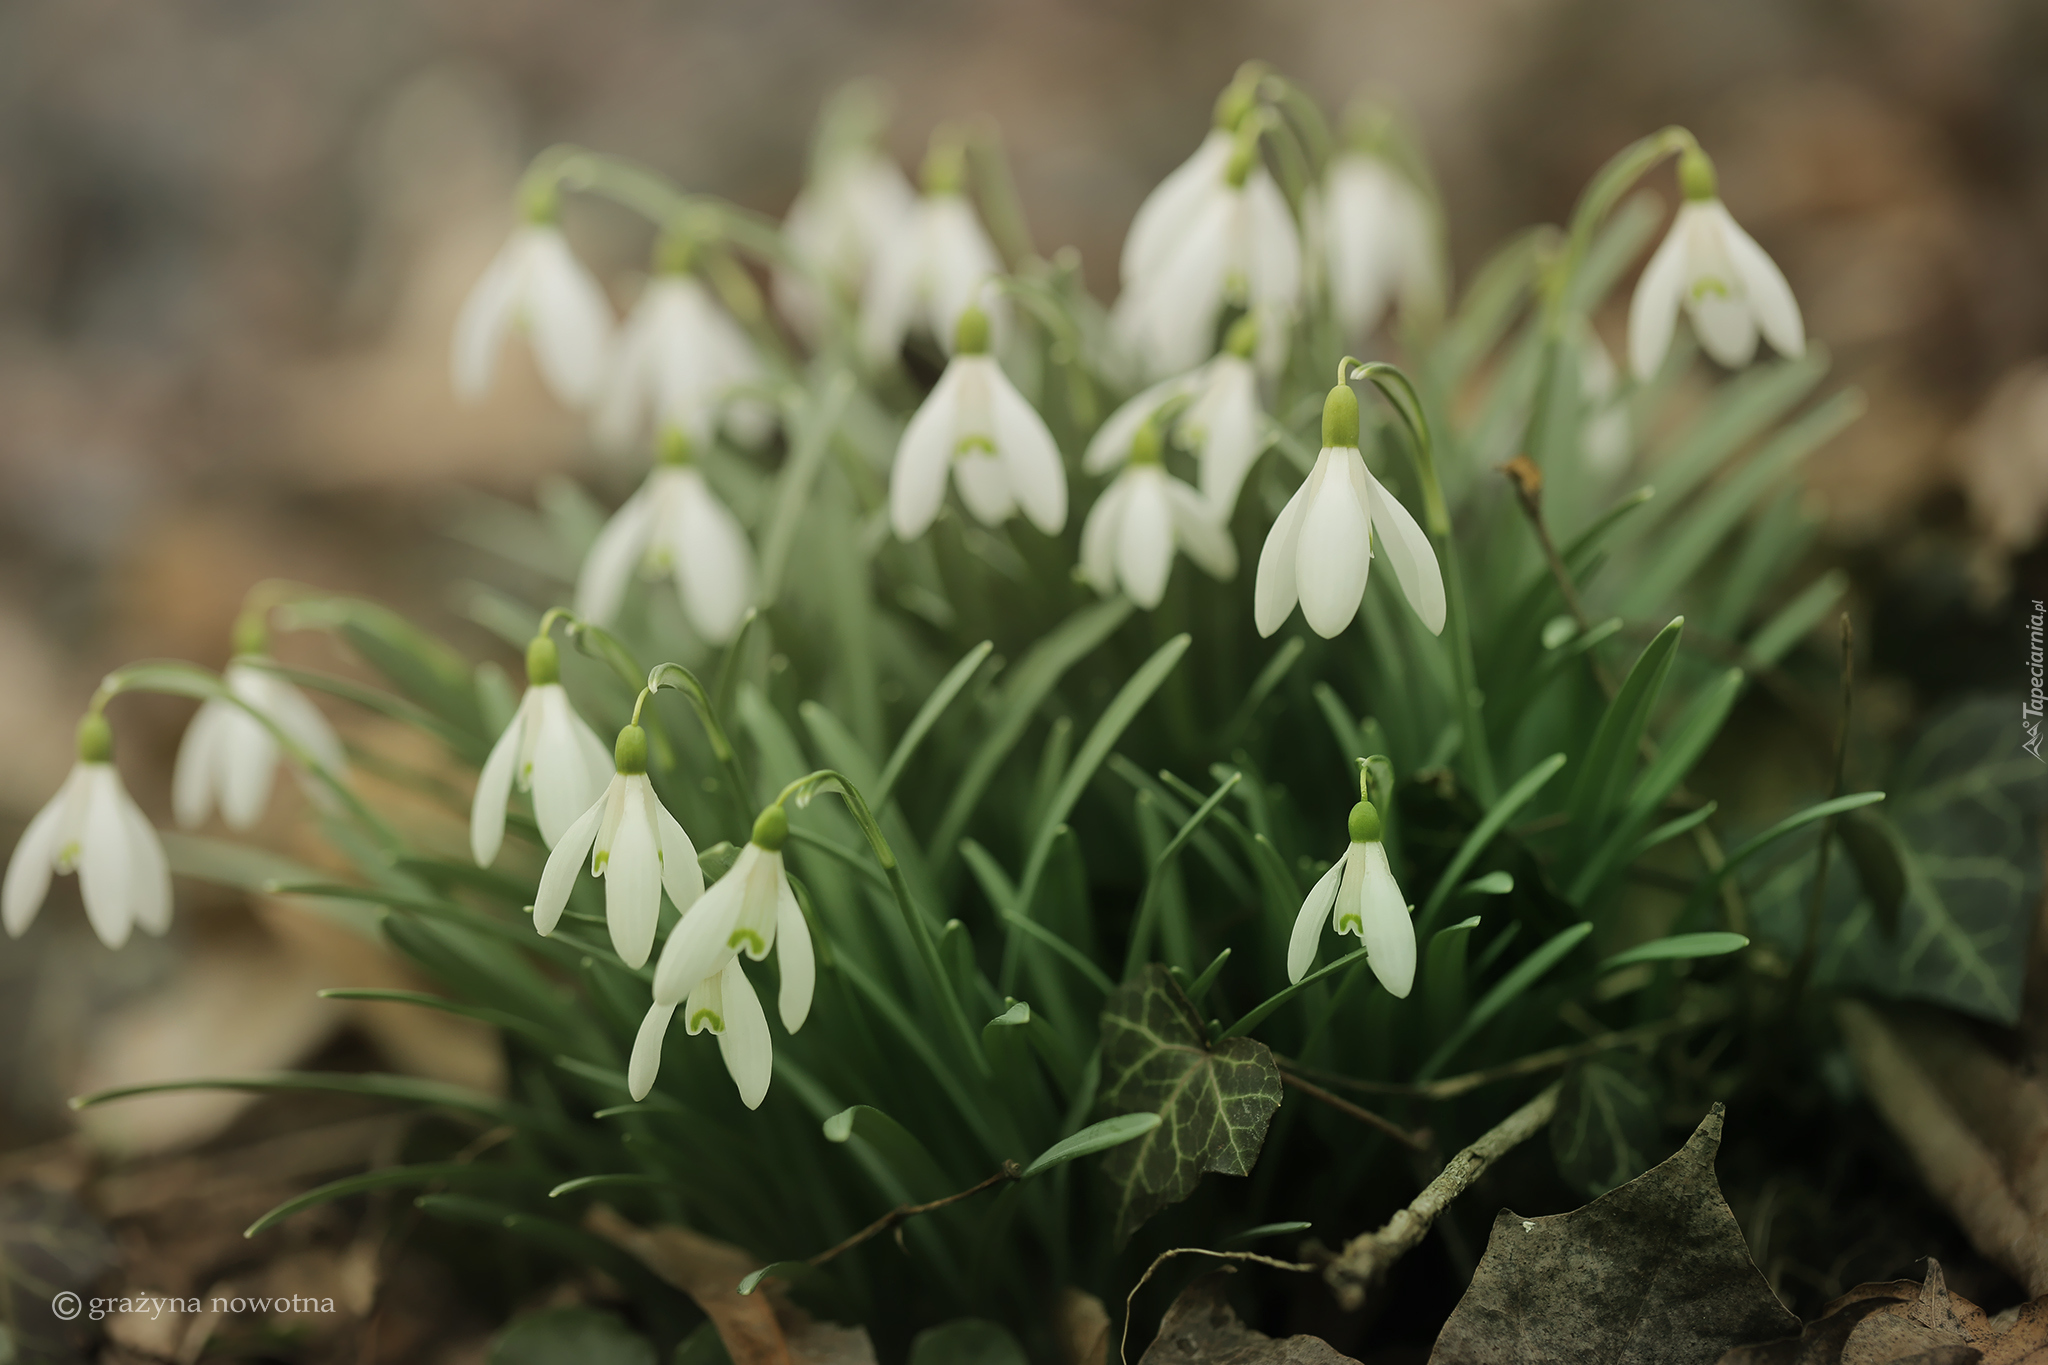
1902	1323
1201	1328
1081	1325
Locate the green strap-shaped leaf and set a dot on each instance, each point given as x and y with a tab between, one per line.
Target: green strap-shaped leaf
1678	947
927	716
1443	976
1096	1137
1505	992
1612	757
392	1177
1213	1102
1495	820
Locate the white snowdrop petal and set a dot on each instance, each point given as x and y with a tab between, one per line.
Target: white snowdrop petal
103	860
562	789
1725	327
1166	210
1335	550
681	875
1653	311
246	765
569	319
1273	249
1388	930
1228	417
917	481
624	399
149	871
794	956
1408	550
1310	922
487	315
1168	318
1274	591
1110	446
714	563
196	776
1030	456
1144	548
30	866
699	944
961	258
984	487
1199	530
645	1064
744	1043
493	791
558	877
302	722
1099	537
1770	297
613	556
890	299
632	877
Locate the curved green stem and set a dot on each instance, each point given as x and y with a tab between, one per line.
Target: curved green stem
684	681
826	779
1400	394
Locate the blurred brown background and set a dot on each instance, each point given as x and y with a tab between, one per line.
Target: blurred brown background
233	236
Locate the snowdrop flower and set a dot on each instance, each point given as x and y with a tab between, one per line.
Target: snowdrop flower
976	425
1358	895
1377	242
1216	233
1135	526
752	908
536	283
548	750
1216	414
675	525
635	845
229	755
682	363
1729	288
857	203
93	828
1320	549
1607	432
932	266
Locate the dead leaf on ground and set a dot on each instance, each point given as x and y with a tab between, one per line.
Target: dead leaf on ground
761	1328
1903	1323
1201	1328
1656	1271
1081	1324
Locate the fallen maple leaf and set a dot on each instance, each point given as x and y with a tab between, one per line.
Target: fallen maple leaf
1653	1273
1201	1328
1903	1323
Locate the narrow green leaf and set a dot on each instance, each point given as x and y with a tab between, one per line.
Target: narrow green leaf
1505	992
390	1177
1096	1137
1775	638
1612	757
815	422
1676	948
1258	1013
927	716
1495	820
1444	975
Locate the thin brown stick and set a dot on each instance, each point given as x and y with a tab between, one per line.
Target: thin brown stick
1124	1343
1358	1269
1010	1171
1414	1142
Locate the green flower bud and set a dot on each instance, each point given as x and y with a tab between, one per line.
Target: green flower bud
674	253
771	829
1243	337
945	167
675	447
1340	417
970	333
1364	824
95	739
1240	97
629	755
252	634
1696	175
543	661
540	203
1243	157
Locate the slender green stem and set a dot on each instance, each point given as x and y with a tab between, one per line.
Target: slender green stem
809	785
1402	397
684	681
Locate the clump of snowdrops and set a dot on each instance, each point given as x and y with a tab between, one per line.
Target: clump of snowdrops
1106	734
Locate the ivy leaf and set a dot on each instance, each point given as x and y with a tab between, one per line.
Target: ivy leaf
1201	1328
1213	1102
1953	863
1606	1124
1655	1272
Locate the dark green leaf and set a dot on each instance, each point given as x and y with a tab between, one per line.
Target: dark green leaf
1606	1124
1096	1137
1654	1272
558	1336
966	1341
1214	1103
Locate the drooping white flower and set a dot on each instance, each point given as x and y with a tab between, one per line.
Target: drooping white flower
548	750
751	909
977	427
1713	269
535	284
1377	242
1359	895
1138	522
682	364
91	827
229	756
1320	549
635	845
1606	432
1216	233
1216	414
931	269
858	202
675	526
